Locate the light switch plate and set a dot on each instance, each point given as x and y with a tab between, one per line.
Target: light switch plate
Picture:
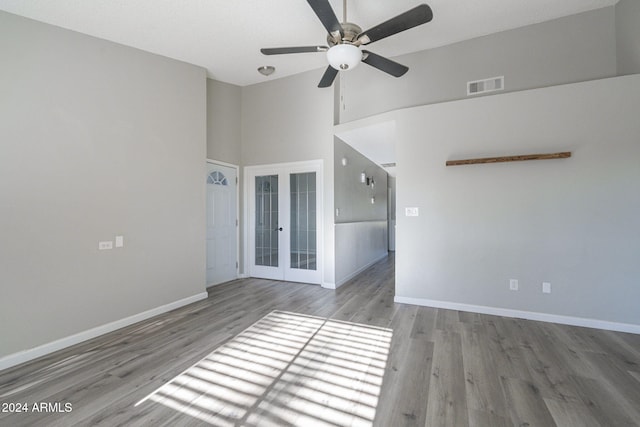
119	241
411	212
546	287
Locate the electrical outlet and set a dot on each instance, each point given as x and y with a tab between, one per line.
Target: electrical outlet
546	287
105	245
119	241
513	284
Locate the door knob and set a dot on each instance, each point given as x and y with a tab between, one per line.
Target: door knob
280	229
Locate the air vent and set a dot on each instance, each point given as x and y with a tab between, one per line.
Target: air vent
388	165
487	85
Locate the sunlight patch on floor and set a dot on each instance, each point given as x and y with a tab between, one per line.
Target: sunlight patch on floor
286	369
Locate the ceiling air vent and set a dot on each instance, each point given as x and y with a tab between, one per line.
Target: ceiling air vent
487	85
388	165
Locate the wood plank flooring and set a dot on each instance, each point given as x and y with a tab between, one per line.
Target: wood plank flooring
443	368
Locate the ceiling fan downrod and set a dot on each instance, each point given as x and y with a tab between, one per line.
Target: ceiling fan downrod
344	11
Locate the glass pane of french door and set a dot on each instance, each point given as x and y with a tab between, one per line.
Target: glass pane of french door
303	244
266	234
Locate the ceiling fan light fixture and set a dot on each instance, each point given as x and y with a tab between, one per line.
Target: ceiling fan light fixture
344	57
266	70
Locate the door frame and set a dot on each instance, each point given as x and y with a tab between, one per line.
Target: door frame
250	172
237	168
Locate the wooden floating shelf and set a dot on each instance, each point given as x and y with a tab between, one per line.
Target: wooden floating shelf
548	156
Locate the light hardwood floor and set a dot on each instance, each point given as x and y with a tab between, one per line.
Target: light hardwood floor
444	368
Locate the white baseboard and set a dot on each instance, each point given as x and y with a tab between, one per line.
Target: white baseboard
358	271
328	285
42	350
521	314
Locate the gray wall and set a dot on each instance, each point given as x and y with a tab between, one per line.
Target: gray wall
287	120
361	228
571	222
571	49
352	197
391	188
96	140
223	122
291	120
628	36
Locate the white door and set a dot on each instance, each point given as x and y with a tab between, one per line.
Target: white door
284	221
222	243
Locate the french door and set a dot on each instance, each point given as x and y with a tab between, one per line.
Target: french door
284	221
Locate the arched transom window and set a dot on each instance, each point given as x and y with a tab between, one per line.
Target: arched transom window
217	178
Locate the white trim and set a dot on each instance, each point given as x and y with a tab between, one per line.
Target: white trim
360	270
521	314
237	168
42	350
328	285
221	163
294	166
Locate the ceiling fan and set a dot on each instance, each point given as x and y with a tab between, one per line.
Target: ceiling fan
345	39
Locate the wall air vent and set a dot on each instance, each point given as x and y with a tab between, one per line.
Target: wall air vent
487	85
388	165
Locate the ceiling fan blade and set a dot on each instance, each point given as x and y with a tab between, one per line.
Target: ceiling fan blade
384	64
325	13
412	18
328	77
296	49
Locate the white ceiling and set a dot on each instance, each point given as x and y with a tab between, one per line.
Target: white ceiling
225	36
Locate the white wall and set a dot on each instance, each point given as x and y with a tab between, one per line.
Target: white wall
574	222
291	120
358	246
96	140
571	49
